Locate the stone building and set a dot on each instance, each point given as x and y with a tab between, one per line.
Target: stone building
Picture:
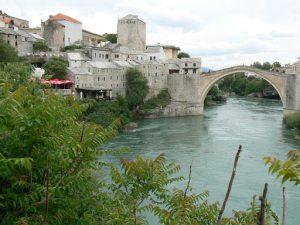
170	51
132	32
20	40
14	21
62	30
90	38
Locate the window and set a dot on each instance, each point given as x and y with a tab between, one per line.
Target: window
154	57
186	64
150	57
194	71
116	56
106	56
185	71
103	78
194	64
117	77
16	43
117	85
155	74
16	36
95	55
98	78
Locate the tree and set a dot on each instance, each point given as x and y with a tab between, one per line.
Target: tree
137	88
112	38
7	52
56	67
40	46
183	55
266	66
48	159
257	65
276	65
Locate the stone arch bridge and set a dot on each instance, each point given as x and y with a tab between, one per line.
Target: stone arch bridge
188	92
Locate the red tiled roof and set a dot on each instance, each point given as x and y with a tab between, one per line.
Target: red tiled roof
6	20
61	16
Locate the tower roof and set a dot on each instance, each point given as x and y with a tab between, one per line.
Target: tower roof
61	16
131	17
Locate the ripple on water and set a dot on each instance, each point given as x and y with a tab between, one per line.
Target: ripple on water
211	141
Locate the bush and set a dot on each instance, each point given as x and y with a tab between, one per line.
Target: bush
7	52
56	68
71	47
161	100
105	112
40	46
292	121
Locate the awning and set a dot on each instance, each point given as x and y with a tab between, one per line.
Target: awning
56	82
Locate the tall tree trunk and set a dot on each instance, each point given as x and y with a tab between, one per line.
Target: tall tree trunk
263	201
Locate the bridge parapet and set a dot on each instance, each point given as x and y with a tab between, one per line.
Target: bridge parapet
242	68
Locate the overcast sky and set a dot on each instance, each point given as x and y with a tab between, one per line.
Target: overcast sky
222	32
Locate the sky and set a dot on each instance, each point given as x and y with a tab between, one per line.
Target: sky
222	32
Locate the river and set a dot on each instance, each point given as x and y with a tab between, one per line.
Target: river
211	141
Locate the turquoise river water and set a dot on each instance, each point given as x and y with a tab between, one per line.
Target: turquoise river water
211	142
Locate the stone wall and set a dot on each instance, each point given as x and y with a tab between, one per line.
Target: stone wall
54	34
132	33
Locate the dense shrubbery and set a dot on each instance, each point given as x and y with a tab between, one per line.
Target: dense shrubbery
161	100
40	46
71	47
105	112
56	68
7	53
292	121
242	85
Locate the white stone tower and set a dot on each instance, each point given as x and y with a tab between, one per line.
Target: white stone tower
132	32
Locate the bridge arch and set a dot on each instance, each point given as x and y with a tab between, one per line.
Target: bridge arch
277	80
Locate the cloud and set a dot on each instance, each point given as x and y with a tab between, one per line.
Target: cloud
222	32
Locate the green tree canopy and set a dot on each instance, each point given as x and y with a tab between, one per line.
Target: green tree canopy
40	46
183	55
7	52
276	65
257	65
112	38
56	67
266	66
137	88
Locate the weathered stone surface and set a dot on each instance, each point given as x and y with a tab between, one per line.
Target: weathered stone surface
130	126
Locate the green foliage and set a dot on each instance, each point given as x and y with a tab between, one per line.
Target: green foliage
137	88
257	65
7	52
71	47
214	91
243	85
161	100
292	121
139	186
40	46
112	38
183	55
288	170
15	73
276	65
56	68
266	66
105	112
41	140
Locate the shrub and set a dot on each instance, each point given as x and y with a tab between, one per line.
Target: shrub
40	46
292	120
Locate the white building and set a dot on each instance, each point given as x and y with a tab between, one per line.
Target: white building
73	28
